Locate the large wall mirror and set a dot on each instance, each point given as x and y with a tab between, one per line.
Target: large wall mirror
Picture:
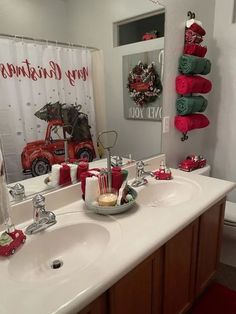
55	98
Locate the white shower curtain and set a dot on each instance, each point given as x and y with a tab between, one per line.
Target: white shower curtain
32	75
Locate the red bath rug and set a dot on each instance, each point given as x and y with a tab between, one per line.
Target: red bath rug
217	299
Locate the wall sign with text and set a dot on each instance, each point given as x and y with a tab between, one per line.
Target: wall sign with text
142	86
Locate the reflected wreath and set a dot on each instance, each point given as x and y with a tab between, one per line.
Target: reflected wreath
144	83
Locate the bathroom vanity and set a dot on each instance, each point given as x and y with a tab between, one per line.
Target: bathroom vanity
171	278
155	258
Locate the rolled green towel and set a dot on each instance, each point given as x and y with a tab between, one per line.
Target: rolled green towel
189	64
207	68
191	104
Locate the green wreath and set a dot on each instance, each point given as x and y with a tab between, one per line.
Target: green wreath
144	84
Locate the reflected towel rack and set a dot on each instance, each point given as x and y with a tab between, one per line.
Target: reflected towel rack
45	41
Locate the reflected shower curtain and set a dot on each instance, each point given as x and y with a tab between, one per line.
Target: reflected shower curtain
32	75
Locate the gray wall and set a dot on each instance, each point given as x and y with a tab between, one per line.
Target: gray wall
42	19
222	138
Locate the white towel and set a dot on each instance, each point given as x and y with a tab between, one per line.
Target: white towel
4	196
91	189
73	172
54	177
192	21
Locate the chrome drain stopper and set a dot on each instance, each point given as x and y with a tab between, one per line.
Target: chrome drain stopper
57	263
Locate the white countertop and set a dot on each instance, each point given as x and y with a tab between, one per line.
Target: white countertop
142	231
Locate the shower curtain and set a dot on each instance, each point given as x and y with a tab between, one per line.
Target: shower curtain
32	75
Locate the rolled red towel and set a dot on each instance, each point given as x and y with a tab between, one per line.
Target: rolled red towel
192	84
197	29
117	178
82	167
191	122
195	50
192	38
64	177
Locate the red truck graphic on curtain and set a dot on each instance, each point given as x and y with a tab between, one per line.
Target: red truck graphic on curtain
65	123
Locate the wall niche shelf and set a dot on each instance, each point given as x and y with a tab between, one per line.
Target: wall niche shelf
132	30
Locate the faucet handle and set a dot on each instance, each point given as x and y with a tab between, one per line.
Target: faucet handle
140	165
38	200
17	192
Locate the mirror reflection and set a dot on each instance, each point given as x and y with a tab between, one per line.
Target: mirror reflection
50	110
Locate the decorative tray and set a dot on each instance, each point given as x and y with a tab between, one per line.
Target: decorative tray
113	210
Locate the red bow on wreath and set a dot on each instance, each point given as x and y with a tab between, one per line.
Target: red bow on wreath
144	84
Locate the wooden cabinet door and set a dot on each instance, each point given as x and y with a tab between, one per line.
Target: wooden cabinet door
133	293
210	234
180	266
157	285
99	306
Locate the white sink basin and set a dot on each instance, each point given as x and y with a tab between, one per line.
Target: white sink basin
74	241
167	192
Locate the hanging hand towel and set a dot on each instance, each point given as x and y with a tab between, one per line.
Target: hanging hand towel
196	28
192	84
194	65
191	122
4	197
186	105
195	50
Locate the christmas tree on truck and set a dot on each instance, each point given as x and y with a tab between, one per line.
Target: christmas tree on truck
67	138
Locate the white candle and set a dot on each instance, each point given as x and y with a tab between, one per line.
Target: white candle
107	199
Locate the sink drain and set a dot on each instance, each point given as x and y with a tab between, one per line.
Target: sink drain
57	263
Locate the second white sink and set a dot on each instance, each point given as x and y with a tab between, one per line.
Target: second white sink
167	192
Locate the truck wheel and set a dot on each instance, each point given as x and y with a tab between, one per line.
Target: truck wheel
85	153
40	166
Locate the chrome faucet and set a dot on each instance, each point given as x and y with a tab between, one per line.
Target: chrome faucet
17	192
43	218
141	175
116	161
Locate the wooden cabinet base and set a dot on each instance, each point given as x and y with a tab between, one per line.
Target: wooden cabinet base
210	238
180	267
99	306
171	279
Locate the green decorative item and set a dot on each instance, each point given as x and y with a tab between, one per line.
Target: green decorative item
191	104
194	65
5	239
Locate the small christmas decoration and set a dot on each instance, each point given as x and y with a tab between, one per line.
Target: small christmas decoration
150	35
192	162
163	173
144	84
10	241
